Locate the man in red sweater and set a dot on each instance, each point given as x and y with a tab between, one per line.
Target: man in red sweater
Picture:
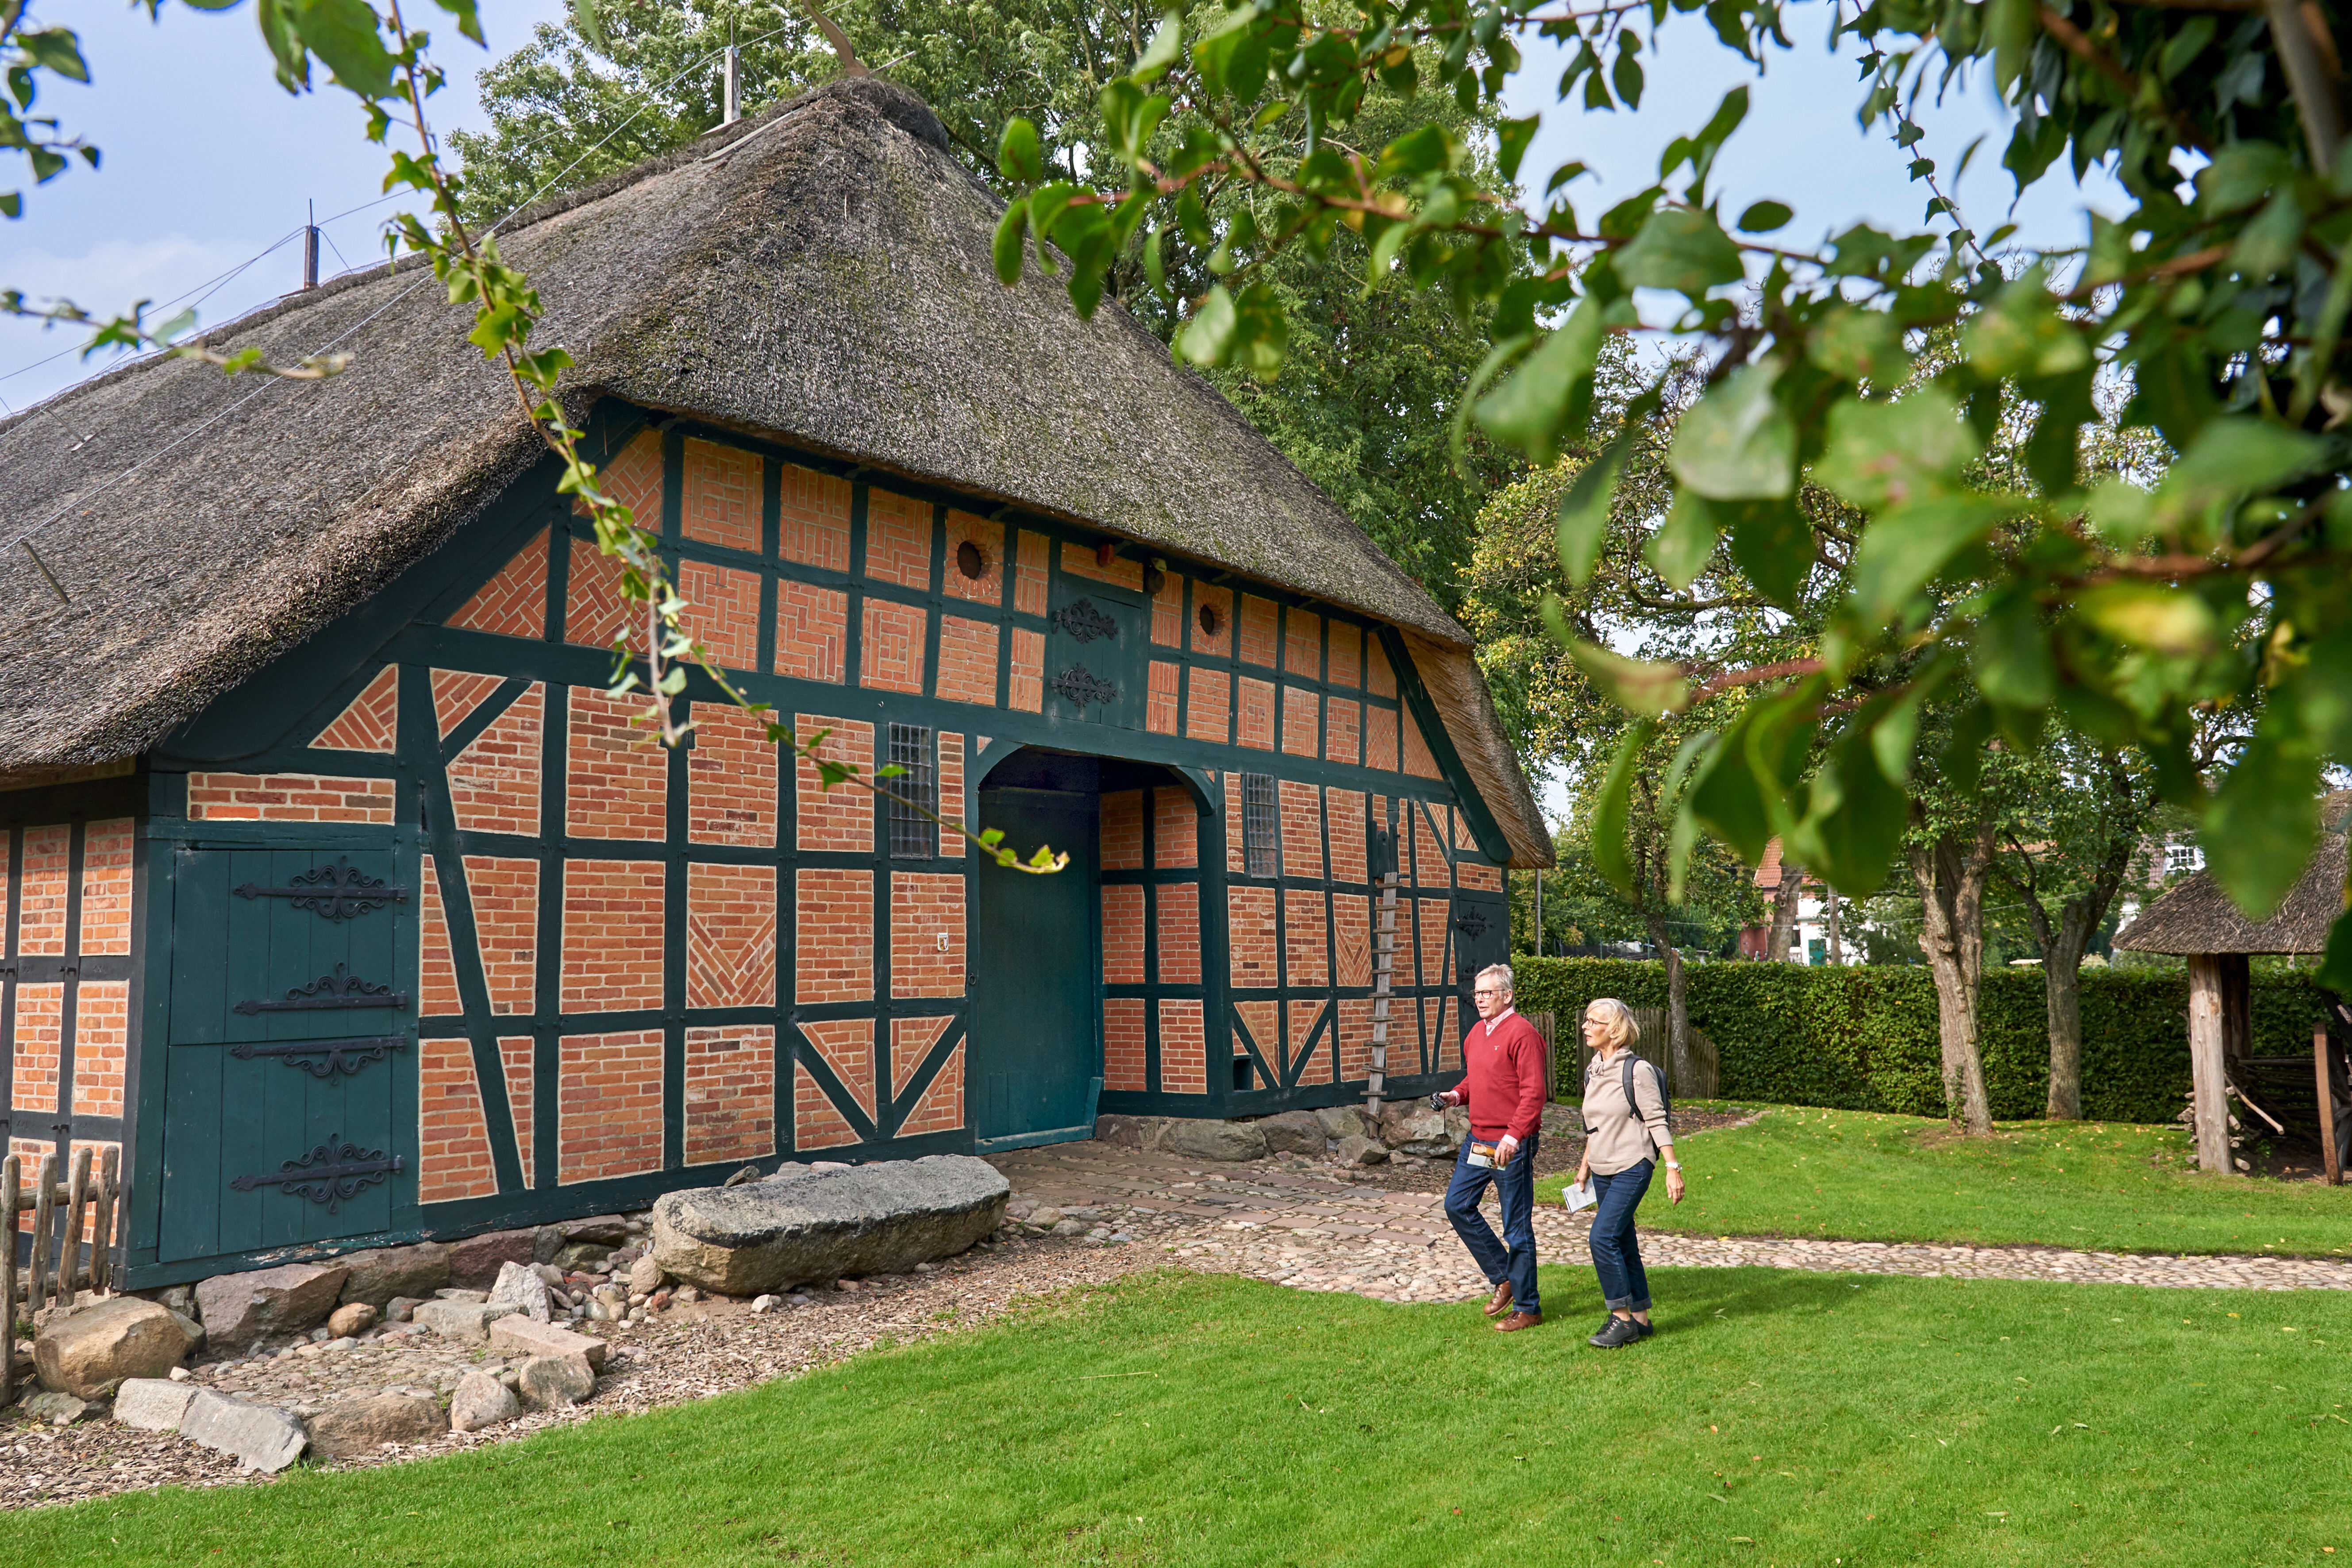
1504	1085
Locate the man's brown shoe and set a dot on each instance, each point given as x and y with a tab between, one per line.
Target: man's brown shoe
1519	1321
1500	1301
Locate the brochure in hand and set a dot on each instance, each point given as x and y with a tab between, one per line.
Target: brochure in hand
1579	1196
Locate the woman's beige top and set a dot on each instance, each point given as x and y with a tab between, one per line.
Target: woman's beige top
1618	1136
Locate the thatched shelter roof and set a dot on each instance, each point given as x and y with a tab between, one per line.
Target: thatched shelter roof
2198	917
819	273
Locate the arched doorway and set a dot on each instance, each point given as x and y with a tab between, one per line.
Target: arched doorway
1034	1056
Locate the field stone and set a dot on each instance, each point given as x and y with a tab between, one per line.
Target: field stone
1356	1148
1417	1129
98	1346
608	1229
878	1219
481	1400
520	1288
350	1318
351	1427
1293	1132
153	1403
258	1437
467	1322
555	1382
239	1309
380	1275
521	1336
1200	1138
54	1408
474	1262
403	1308
1339	1121
645	1276
582	1255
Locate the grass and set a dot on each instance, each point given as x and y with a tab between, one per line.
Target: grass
1779	1418
2099	1188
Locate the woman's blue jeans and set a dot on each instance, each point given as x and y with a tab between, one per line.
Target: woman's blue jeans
1616	1257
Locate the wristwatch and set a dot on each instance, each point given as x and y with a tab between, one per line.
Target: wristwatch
1674	1165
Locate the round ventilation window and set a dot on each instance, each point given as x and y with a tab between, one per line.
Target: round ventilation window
972	561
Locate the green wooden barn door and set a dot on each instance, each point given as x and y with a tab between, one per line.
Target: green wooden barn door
290	1013
1097	656
1036	1050
1482	935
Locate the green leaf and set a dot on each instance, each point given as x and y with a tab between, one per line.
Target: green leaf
1736	443
2263	823
1584	511
1856	344
345	34
2152	615
2011	654
1903	549
2336	965
1763	218
1680	548
1609	812
1167	47
1552	392
1773	544
1884	455
1424	150
1018	156
1963	755
1853	820
1208	337
588	21
1641	685
1511	139
1682	249
1011	229
1726	798
2230	458
2021	333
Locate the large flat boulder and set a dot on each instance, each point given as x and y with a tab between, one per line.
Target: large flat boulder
882	1219
354	1427
239	1309
474	1262
258	1437
378	1276
88	1352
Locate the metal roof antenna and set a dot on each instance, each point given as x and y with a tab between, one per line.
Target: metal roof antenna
310	248
730	83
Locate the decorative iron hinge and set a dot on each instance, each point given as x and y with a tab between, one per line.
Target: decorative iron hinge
1083	621
1082	686
336	990
336	892
325	1058
1471	922
328	1174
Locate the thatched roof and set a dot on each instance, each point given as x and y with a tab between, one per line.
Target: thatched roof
2198	917
820	273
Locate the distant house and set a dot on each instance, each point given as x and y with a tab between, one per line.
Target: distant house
1811	941
342	900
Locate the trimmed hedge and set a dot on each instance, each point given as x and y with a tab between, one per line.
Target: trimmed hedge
1863	1037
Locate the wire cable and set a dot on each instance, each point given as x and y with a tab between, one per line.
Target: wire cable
25	537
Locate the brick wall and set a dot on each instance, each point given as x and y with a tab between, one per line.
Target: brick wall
833	923
611	936
494	782
370	721
608	1105
841	817
506	928
105	886
724	612
720	500
287	797
730	775
453	1142
512	604
617	785
457	693
730	1093
927	934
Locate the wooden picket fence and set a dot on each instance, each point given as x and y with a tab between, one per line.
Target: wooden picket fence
74	1225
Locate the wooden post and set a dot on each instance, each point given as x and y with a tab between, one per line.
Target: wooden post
45	1203
70	1249
2328	1159
101	1226
2206	1032
9	1182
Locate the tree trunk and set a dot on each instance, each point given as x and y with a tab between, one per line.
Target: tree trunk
1837	949
2061	984
1679	1054
1951	879
1785	899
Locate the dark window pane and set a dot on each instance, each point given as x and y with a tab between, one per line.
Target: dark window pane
913	836
1261	826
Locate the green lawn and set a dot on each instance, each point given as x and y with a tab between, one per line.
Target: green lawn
1779	1418
2097	1186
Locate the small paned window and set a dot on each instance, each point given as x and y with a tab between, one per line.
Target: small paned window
913	836
1261	826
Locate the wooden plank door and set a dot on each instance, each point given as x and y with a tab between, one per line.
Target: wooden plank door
290	1019
1097	655
1036	1012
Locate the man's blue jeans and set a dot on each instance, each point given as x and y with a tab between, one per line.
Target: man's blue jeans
1515	1185
1616	1259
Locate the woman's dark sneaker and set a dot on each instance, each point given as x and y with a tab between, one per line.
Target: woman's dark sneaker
1619	1332
1647	1329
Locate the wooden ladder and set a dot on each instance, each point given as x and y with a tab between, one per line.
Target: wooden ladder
1383	971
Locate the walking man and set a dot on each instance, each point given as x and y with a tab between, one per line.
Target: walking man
1504	1085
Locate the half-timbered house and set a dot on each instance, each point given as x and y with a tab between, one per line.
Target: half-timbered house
342	898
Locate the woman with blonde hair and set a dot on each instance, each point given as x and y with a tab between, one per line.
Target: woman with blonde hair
1625	1134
